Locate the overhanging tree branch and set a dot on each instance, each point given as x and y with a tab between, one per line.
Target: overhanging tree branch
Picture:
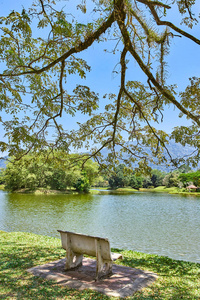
80	47
171	25
122	86
45	57
147	71
151	128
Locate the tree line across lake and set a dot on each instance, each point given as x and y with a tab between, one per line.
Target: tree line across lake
55	172
59	173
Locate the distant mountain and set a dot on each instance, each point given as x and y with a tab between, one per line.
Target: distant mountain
3	161
175	149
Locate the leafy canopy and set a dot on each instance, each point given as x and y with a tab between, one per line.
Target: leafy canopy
43	46
38	171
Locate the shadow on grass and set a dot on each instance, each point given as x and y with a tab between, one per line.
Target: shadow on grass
177	279
17	283
165	266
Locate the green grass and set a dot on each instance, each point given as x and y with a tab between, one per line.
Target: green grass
126	189
20	251
100	188
171	190
42	191
162	189
104	191
167	190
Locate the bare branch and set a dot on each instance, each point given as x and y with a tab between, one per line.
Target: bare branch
171	25
188	9
152	130
154	3
147	71
123	70
61	87
44	12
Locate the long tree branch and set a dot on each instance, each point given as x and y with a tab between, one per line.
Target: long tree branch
155	3
167	23
123	71
80	47
146	70
61	87
149	125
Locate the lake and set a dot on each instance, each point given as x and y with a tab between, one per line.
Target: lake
155	223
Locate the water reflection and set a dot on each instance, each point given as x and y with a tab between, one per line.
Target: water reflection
154	223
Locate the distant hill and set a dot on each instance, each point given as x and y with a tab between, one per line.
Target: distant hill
175	149
3	162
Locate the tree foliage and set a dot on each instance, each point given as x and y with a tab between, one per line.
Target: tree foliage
157	177
34	172
123	177
119	178
191	177
43	46
172	179
1	176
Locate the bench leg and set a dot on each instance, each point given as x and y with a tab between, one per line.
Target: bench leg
73	259
108	267
103	268
77	260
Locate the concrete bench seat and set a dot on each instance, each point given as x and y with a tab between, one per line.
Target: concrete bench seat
77	244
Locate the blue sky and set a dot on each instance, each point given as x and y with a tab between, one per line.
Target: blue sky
183	61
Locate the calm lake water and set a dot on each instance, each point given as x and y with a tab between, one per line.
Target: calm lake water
147	222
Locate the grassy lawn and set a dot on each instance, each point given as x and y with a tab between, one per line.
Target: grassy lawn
103	191
20	251
171	190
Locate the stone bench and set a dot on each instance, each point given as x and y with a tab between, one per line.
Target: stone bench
77	244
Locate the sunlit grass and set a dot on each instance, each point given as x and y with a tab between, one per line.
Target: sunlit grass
171	190
20	251
103	191
126	189
167	190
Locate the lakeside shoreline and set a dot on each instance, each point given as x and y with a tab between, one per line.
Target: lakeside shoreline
102	191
